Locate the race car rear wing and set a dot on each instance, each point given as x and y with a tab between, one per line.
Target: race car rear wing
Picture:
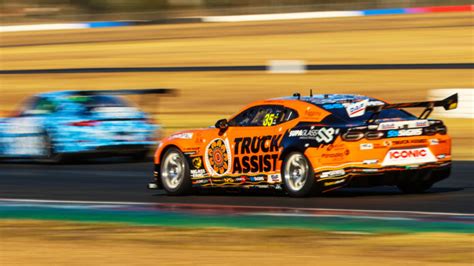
142	101
128	92
448	103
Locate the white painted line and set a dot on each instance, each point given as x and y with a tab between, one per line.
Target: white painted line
232	206
286	66
37	27
76	201
61	205
283	16
275	214
351	233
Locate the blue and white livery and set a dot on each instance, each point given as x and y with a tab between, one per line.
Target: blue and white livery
51	126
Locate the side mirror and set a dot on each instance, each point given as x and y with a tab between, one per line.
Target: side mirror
222	124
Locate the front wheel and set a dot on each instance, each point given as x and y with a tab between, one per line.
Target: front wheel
298	177
174	173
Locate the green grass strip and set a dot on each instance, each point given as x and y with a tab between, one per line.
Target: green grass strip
159	218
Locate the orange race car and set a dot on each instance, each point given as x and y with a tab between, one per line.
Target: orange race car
307	144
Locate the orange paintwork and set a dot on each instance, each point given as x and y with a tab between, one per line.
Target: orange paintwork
338	155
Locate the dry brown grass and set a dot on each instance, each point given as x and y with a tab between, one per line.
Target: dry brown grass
58	243
392	39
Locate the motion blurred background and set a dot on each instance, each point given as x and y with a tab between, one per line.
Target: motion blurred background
174	33
219	57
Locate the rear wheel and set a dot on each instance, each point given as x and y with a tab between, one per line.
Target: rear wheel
298	177
174	173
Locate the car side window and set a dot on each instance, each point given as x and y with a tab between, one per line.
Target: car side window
262	115
290	114
39	106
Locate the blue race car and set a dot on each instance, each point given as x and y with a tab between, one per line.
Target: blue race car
52	126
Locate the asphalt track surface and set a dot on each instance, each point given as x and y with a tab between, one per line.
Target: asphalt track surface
239	68
118	180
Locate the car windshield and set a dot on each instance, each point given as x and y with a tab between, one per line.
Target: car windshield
98	101
339	111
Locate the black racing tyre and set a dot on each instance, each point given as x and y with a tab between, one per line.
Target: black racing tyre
414	188
140	156
298	175
49	152
174	173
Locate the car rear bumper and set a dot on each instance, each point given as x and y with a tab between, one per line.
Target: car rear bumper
359	176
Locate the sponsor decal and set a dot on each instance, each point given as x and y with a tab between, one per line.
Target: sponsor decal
257	178
333	106
375	103
326	135
246	160
374	161
321	135
241	179
370	170
408	156
422	123
366	146
405	141
335	147
197	162
356	109
332	155
274	178
303	133
403	124
197	173
404	133
326	184
441	156
334	173
218	157
387	126
310	112
200	181
434	141
187	135
228	180
416	141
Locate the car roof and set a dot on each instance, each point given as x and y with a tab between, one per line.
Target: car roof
54	94
317	99
328	98
309	106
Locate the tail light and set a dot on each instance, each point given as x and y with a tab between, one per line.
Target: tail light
430	131
374	135
436	129
89	123
441	129
353	136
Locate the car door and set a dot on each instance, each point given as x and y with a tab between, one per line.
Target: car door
23	135
250	145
